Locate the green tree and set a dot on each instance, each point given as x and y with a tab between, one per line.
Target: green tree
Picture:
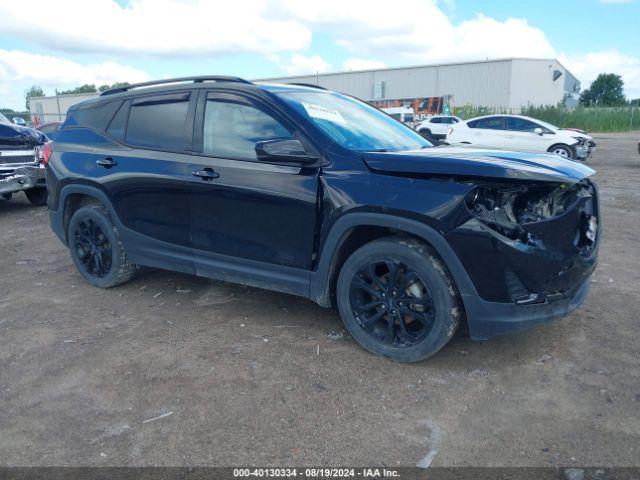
34	91
605	91
86	88
635	102
103	88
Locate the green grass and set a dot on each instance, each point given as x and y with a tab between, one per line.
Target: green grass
598	119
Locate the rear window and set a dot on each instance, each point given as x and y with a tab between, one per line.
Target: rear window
158	122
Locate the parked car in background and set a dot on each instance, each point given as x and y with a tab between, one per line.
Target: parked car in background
50	129
310	192
402	114
437	126
23	155
516	132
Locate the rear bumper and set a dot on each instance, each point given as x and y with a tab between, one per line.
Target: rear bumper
490	319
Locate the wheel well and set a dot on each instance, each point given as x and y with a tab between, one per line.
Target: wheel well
73	203
358	237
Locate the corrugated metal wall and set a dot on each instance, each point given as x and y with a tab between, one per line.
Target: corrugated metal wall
481	83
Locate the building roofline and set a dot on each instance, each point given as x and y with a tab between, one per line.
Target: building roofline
410	67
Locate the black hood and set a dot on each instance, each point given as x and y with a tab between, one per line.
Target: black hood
11	134
475	162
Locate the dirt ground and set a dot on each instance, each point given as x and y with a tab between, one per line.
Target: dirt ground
171	369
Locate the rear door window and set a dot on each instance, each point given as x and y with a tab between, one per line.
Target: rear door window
158	122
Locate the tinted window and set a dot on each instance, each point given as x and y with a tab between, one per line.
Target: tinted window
96	116
118	124
232	129
397	116
521	125
436	120
158	122
491	123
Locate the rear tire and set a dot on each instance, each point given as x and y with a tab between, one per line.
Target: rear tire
426	133
397	299
37	196
96	249
562	150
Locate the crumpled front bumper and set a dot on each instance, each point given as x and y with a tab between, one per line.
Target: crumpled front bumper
19	178
518	285
584	150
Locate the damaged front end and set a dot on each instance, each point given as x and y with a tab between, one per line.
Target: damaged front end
529	243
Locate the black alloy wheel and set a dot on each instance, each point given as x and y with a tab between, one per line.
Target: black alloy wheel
392	303
397	299
93	248
96	249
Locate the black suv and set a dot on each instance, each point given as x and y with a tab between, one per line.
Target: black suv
298	189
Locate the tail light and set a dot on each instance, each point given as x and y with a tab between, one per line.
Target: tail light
46	153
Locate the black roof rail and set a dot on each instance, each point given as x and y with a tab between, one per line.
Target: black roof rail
200	79
311	85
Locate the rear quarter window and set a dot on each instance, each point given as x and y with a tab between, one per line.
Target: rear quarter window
96	116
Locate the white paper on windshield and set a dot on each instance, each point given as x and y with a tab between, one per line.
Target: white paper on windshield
318	111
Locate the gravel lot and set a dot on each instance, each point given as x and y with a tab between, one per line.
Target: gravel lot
177	370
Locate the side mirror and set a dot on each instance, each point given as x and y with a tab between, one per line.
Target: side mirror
288	150
539	131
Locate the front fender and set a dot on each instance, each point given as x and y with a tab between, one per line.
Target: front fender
320	279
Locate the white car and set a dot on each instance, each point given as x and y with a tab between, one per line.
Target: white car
516	132
437	126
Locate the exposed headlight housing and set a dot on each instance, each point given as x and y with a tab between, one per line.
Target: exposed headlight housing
508	210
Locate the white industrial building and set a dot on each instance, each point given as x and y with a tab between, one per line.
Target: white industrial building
506	84
54	108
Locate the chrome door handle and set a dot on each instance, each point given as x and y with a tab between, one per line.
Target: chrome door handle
106	162
206	174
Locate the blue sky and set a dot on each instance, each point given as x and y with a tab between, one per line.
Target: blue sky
103	41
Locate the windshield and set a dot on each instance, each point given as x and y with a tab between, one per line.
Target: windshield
4	119
354	124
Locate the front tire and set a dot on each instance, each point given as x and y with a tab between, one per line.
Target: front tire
397	299
37	196
562	150
96	249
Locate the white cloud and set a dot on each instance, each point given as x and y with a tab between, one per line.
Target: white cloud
371	33
19	70
587	67
167	28
298	64
412	30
